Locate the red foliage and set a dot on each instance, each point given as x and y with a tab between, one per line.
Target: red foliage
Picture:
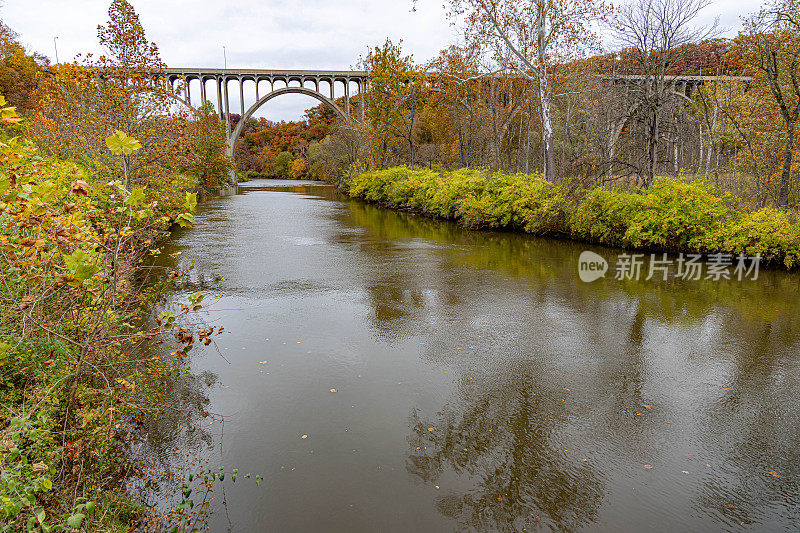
264	139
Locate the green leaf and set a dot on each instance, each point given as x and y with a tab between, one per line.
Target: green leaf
47	484
191	201
185	219
81	264
135	198
90	507
122	144
5	350
75	520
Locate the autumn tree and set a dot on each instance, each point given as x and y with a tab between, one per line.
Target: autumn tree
79	105
19	69
528	37
393	99
771	45
207	145
455	114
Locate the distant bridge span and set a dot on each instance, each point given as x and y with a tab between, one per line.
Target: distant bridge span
307	82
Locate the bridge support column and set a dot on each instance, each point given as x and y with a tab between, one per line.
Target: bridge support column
347	95
218	83
362	86
241	95
202	91
227	107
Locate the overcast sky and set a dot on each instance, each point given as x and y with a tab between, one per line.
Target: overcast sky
309	34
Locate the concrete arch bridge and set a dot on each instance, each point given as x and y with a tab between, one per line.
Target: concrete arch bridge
215	85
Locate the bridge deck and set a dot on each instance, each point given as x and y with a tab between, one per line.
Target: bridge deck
265	72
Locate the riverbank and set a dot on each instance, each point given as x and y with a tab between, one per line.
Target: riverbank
76	385
673	215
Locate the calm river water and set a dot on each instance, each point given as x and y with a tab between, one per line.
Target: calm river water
479	384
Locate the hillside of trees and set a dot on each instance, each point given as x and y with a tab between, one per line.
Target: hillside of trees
530	89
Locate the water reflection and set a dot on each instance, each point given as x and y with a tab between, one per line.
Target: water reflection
505	437
479	384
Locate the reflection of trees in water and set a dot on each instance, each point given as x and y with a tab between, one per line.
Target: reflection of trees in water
755	426
744	333
176	435
179	425
503	439
550	266
174	430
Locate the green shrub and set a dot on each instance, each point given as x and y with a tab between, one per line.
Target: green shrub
518	201
678	215
604	216
770	233
673	215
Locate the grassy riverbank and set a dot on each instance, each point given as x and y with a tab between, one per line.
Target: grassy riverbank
674	214
75	382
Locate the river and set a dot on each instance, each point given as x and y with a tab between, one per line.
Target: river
386	372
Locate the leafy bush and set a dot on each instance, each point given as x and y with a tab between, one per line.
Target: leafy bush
768	232
674	214
521	202
604	216
678	215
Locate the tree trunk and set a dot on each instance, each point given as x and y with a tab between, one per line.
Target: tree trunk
544	95
652	149
528	140
783	193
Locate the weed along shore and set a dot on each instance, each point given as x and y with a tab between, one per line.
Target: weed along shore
674	215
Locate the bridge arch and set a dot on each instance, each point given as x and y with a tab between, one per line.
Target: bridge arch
233	140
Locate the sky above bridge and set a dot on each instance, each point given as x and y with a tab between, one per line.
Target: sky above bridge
307	34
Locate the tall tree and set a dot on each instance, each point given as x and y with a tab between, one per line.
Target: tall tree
654	34
771	45
393	100
79	105
528	37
